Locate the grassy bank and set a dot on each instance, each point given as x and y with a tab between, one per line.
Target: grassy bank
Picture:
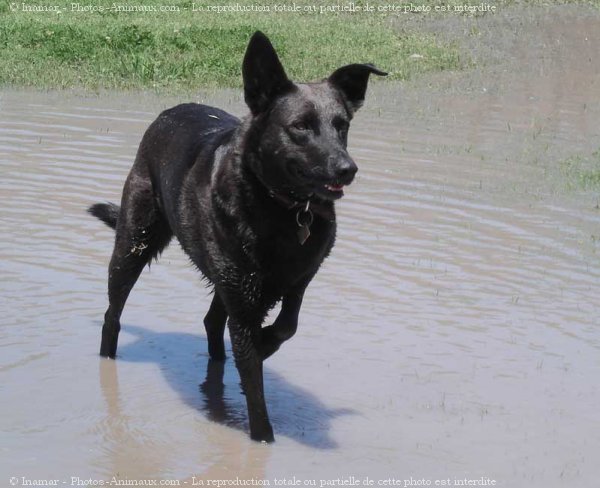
187	44
189	47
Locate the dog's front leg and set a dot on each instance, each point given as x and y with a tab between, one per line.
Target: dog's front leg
214	323
285	324
245	342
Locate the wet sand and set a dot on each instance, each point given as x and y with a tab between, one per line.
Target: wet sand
453	333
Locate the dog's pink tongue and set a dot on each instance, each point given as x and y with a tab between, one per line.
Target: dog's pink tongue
335	187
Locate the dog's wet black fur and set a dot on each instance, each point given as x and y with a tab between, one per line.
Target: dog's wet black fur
250	201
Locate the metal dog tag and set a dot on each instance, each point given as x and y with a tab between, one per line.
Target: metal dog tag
304	219
303	234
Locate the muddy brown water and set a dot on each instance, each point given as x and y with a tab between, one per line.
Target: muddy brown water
453	333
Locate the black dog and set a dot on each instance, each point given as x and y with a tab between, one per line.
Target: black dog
250	201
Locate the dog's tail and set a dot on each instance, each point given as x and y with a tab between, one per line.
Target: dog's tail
106	212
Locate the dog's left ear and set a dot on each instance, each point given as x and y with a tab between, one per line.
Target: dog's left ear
352	81
264	76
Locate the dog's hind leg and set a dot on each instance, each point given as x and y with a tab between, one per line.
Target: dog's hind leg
142	234
214	323
285	324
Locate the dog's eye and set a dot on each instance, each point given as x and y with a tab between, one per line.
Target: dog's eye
343	131
341	126
301	126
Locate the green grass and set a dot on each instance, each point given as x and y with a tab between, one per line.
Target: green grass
582	172
186	50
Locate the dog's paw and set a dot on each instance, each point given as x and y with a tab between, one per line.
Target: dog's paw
269	342
265	435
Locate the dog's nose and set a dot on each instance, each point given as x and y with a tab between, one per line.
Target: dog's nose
345	169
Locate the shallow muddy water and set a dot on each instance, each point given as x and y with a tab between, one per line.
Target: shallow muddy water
453	333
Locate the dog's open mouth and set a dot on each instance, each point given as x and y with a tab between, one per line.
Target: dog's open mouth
335	188
331	191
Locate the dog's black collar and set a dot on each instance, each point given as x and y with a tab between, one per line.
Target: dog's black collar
322	209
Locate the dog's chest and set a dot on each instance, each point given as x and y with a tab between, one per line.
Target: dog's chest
284	260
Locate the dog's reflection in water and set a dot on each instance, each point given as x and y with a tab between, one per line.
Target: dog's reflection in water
297	413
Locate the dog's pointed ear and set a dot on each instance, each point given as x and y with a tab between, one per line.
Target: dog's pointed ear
264	76
352	81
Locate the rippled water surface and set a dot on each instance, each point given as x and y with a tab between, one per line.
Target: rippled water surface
454	331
